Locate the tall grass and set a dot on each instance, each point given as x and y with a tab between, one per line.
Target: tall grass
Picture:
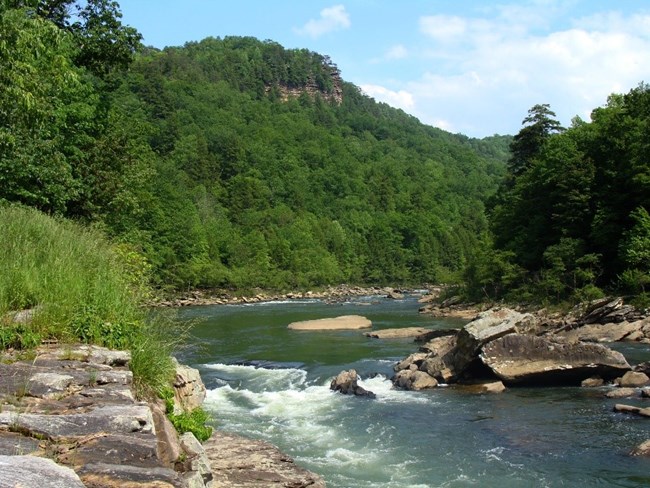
79	289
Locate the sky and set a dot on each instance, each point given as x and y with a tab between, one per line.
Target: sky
466	66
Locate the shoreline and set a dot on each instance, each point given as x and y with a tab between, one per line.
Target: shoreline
332	294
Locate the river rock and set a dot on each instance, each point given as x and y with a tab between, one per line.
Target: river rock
609	332
412	361
31	472
644	412
346	383
239	462
592	382
450	364
344	322
633	379
484	387
439	346
414	380
189	390
642	449
396	333
517	358
621	393
645	392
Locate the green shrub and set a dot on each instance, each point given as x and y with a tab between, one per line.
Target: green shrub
194	422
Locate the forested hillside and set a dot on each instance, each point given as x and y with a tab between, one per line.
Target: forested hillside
570	221
231	162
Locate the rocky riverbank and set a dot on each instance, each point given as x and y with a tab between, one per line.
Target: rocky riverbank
502	348
221	297
69	419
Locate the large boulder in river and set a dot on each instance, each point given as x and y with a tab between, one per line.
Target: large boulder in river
459	354
346	383
344	322
525	359
414	380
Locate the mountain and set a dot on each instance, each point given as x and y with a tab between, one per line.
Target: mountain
238	163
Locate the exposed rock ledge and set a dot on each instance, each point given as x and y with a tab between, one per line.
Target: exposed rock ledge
69	418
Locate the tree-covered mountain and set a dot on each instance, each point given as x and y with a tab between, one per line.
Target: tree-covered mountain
230	162
571	218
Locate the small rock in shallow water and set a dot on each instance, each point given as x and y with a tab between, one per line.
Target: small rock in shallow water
346	383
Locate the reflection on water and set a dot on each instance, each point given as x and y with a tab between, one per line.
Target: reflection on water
271	383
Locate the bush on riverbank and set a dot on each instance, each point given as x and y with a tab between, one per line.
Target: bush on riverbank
77	288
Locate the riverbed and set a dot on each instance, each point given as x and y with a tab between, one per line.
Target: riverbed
271	383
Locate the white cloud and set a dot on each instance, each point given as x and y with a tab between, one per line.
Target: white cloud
443	28
331	19
397	52
399	99
485	72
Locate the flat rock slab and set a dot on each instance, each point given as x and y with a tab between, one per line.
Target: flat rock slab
344	322
113	418
103	475
12	444
397	333
601	332
518	358
32	472
238	462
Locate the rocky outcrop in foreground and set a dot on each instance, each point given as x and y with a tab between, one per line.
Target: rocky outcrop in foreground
68	418
499	345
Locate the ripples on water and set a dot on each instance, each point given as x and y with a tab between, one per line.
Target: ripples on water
551	437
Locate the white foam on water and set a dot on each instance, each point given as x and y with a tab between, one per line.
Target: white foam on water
383	388
325	431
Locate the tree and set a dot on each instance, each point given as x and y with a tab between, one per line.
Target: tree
526	145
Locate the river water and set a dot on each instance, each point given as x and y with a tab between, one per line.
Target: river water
268	382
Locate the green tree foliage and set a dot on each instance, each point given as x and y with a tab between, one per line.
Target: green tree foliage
573	211
230	162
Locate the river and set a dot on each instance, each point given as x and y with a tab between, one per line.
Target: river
271	383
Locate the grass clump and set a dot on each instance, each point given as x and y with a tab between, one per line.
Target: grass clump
80	288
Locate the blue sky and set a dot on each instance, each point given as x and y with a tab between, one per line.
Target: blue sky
467	66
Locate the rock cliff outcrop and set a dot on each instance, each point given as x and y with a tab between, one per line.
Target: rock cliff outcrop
68	418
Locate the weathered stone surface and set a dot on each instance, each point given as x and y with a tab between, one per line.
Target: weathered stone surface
440	346
103	475
600	309
31	472
12	444
644	412
483	387
196	456
431	334
48	385
119	419
414	359
346	383
517	358
237	462
189	390
453	356
633	379
134	450
396	333
621	393
642	449
592	382
168	446
609	332
414	380
344	322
